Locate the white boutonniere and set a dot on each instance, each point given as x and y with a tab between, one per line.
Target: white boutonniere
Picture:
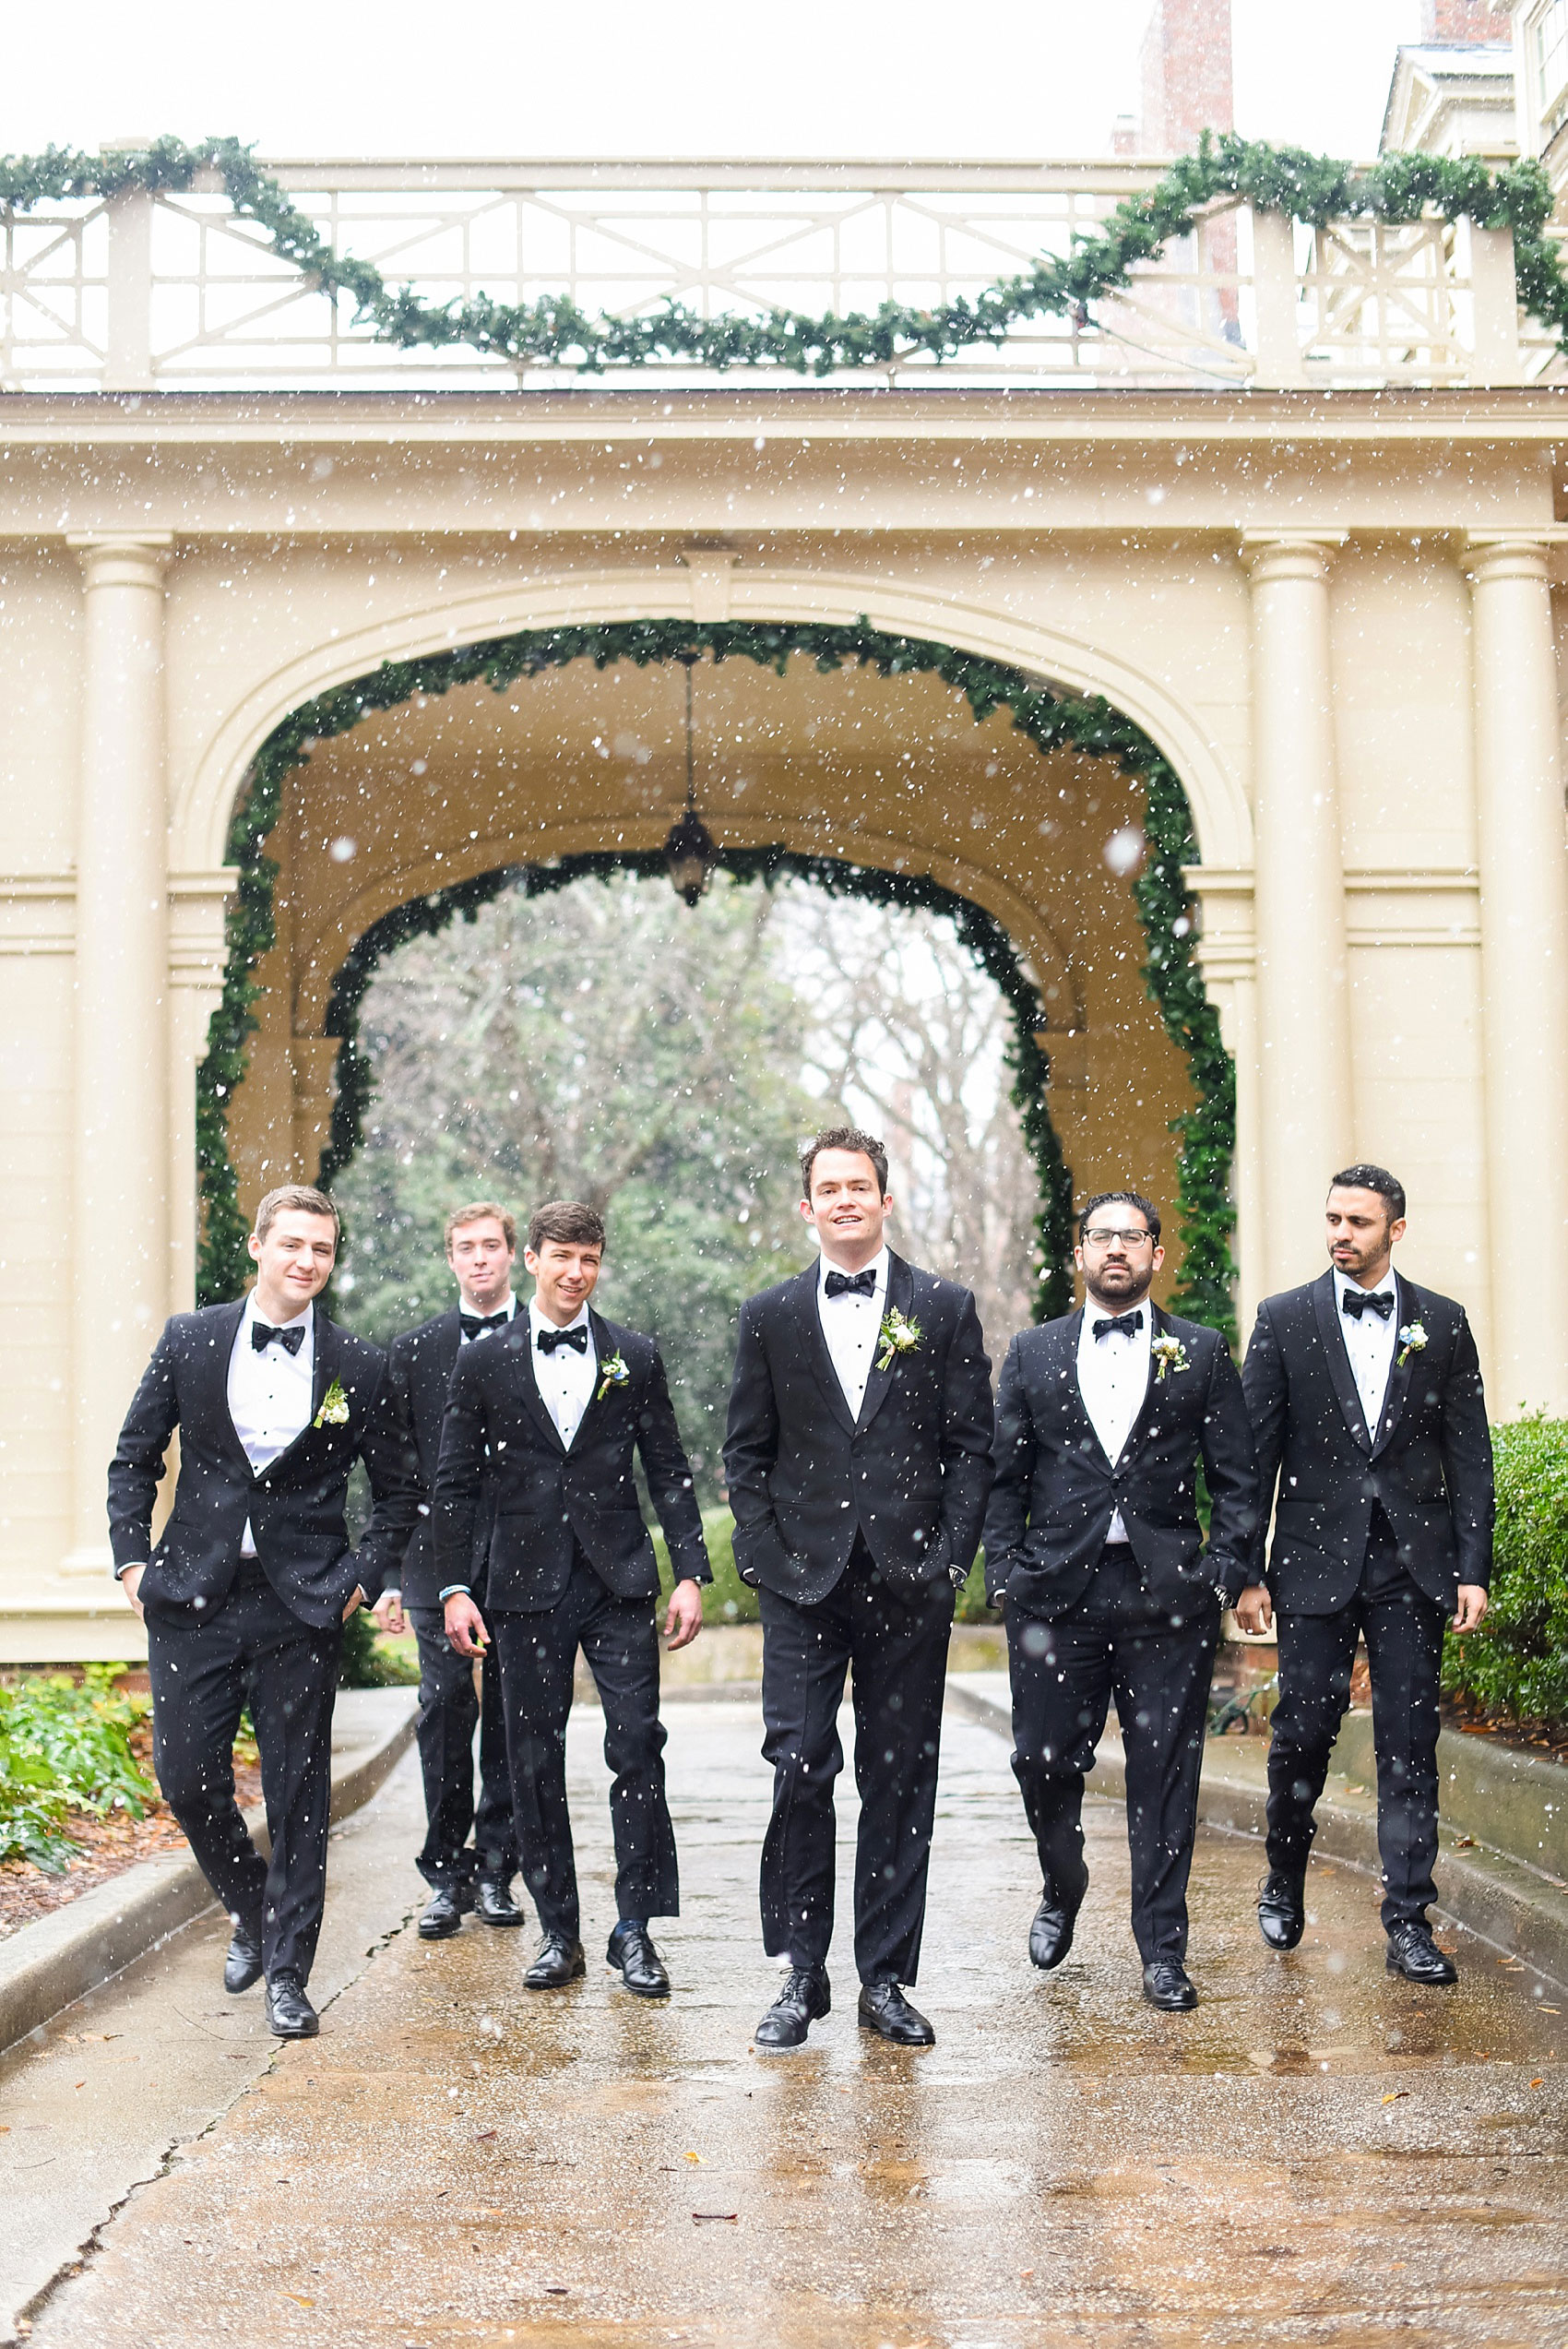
1171	1355
1412	1340
895	1336
334	1411
613	1372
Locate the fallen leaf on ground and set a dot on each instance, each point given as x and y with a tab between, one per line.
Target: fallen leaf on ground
1394	2095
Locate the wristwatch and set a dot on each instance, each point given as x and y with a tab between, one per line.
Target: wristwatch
957	1576
1223	1596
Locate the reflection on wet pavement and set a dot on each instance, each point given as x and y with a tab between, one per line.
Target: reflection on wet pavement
1319	2153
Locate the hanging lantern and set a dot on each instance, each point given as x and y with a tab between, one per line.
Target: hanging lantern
689	851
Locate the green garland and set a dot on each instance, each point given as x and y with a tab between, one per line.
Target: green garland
1052	721
554	332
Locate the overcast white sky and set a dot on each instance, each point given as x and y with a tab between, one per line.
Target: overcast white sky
703	78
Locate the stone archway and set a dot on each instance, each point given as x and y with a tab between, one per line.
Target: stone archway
419	779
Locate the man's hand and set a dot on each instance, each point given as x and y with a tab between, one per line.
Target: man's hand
129	1582
465	1626
388	1613
355	1602
1472	1605
1254	1608
685	1619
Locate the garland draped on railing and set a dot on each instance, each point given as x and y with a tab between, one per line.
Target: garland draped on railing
1088	726
554	332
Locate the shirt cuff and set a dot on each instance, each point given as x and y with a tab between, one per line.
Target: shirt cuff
452	1590
132	1566
392	1590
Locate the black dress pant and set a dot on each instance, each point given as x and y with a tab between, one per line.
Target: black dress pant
896	1647
1064	1671
537	1655
1403	1629
449	1712
204	1670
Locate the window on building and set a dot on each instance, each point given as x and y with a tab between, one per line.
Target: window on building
1549	32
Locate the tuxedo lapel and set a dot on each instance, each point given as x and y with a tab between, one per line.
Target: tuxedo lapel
1407	1307
1136	1432
808	1314
229	1329
1335	1354
901	1296
519	1341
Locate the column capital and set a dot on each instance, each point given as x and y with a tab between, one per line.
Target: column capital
1290	555
1507	556
122	558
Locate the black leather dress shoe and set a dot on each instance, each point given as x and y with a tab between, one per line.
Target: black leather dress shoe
805	2000
290	2014
1051	1934
885	2011
493	1903
242	1966
556	1962
444	1916
1414	1953
1166	1985
1282	1910
640	1966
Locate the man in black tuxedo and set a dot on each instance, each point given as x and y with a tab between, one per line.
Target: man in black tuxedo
858	1455
245	1593
1094	1549
544	1426
480	1241
1366	1402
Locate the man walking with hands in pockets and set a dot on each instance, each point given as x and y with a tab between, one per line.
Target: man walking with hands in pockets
859	1460
1093	1545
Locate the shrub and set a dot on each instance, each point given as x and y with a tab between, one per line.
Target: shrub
726	1599
1518	1661
65	1746
366	1661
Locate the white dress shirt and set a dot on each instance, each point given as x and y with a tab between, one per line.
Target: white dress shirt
269	1393
566	1378
851	1326
1370	1342
1114	1379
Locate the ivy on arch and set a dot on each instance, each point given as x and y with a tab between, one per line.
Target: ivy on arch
1090	725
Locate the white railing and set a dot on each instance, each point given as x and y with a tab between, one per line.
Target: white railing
176	294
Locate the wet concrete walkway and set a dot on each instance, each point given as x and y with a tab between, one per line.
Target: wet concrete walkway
1318	2154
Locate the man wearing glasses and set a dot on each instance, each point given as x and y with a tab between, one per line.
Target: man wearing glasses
1094	1549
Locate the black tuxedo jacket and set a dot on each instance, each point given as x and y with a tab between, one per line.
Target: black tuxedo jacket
911	1473
1056	1492
1429	1460
498	1431
296	1507
421	1362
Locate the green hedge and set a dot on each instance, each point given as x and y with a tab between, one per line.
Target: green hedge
65	1746
1518	1661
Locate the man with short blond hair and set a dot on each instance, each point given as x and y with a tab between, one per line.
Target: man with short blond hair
246	1592
481	1242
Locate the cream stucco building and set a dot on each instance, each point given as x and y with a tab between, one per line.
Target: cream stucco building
1295	507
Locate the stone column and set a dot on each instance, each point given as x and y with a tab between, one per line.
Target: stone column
1522	854
1303	1036
120	1213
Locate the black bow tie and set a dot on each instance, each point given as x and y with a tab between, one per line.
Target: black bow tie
852	1284
1357	1301
1129	1324
476	1324
289	1340
576	1339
